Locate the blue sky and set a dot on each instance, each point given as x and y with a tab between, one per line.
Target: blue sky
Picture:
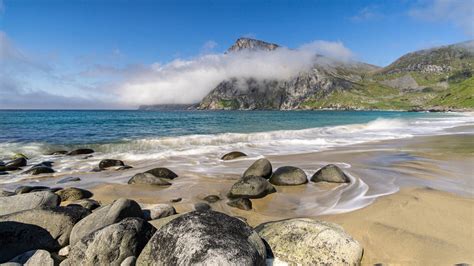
80	50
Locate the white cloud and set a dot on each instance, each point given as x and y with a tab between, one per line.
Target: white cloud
188	81
458	12
367	13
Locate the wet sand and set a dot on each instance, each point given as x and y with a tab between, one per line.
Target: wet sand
427	216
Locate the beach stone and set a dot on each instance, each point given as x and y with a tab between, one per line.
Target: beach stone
37	170
106	215
64	252
28	201
106	163
304	241
73	193
147	178
69	179
112	244
253	187
156	211
204	238
261	167
34	258
330	173
162	173
176	200
202	206
47	228
233	155
130	261
5	193
288	176
212	198
60	152
89	204
16	163
80	152
45	163
241	203
28	189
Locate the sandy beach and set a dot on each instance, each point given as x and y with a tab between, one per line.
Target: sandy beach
427	219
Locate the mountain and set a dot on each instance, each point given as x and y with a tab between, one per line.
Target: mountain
432	79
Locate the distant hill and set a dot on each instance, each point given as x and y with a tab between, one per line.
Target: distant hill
433	79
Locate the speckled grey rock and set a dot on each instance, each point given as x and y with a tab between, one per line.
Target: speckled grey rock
73	193
204	238
156	211
253	187
241	203
28	201
112	244
106	215
261	167
147	178
304	241
233	155
202	206
288	176
47	229
162	173
330	173
89	204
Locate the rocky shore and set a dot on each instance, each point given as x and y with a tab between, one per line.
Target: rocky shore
42	225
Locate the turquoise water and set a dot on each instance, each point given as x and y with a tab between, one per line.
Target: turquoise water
92	127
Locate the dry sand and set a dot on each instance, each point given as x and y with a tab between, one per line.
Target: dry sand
429	221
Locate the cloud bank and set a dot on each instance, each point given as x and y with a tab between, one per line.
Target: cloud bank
188	81
458	12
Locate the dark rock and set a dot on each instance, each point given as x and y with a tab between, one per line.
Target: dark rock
106	163
147	178
28	201
89	204
212	198
28	189
72	193
45	163
87	157
202	206
261	167
288	176
176	200
58	152
253	187
3	173
47	228
109	214
241	203
330	173
19	162
125	167
112	244
204	238
37	170
69	179
162	173
304	241
233	155
5	193
80	152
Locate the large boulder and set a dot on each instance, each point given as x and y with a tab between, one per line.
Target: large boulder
149	179
80	152
162	173
106	163
330	173
73	193
233	155
112	244
47	228
289	176
28	201
253	187
204	238
261	167
303	241
107	215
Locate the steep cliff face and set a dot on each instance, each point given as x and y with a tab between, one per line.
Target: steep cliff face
251	45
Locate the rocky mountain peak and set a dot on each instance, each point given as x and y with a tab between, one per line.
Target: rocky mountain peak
251	44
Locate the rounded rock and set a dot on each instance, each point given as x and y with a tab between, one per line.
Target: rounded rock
162	172
289	176
233	155
252	187
330	173
261	167
106	163
147	178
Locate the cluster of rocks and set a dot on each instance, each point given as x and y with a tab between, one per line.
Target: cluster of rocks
258	180
35	230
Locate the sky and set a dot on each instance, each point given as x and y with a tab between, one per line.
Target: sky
119	54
